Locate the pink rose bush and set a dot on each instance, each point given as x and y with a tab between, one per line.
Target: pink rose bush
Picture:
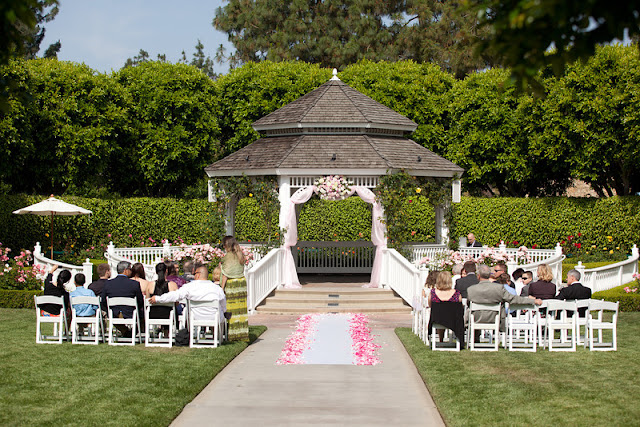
17	273
490	256
205	254
633	288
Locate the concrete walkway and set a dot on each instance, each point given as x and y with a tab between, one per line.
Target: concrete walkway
254	391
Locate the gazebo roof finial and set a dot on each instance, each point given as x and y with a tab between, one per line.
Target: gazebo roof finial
335	75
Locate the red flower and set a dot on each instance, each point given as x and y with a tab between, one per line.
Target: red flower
569	238
579	234
515	242
562	243
578	245
534	246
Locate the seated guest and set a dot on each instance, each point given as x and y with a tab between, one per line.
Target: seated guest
188	271
469	279
527	278
517	280
104	273
544	288
457	274
488	292
432	277
123	286
172	274
575	290
82	310
159	287
443	313
57	289
200	289
501	268
505	280
138	274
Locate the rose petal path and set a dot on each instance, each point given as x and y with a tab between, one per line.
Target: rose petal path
253	391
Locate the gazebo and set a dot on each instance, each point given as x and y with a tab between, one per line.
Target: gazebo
333	130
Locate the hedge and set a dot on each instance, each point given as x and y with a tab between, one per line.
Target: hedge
628	301
17	299
527	221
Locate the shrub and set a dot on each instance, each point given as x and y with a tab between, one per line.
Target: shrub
17	299
628	301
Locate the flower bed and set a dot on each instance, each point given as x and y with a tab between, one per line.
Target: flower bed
17	273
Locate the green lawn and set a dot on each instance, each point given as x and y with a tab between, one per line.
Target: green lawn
47	384
516	388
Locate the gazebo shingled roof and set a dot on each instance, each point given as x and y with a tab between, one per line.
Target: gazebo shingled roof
333	128
334	103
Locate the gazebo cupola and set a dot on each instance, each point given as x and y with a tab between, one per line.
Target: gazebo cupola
334	129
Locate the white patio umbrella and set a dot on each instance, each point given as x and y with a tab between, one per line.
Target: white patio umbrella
51	207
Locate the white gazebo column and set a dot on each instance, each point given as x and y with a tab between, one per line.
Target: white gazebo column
442	230
284	197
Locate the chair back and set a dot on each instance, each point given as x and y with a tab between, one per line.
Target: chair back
49	299
558	305
485	306
597	305
85	300
126	301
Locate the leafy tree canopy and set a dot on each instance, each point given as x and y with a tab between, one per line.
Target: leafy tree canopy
521	32
336	33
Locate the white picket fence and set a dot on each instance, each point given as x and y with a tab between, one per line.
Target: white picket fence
610	276
39	259
264	277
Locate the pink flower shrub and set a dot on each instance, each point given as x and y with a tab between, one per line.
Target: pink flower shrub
18	273
490	256
634	288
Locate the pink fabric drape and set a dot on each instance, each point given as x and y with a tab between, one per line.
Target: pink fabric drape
291	236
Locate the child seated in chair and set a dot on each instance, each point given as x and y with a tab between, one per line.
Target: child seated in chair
82	310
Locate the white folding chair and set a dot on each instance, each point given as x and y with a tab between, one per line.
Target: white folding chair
59	321
581	322
426	315
524	321
598	323
198	335
493	326
449	343
133	322
557	319
540	314
151	323
94	323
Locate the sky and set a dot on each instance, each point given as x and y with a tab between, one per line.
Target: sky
104	33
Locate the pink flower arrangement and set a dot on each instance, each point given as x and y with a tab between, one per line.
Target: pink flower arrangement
204	254
333	187
363	346
634	288
299	341
490	256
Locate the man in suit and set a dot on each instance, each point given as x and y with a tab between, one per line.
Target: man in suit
104	273
488	292
463	283
472	242
123	286
574	290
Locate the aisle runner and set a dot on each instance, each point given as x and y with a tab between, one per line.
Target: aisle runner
330	339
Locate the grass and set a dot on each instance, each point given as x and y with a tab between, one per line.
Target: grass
46	384
516	388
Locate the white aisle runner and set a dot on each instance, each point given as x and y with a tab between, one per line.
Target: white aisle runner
330	339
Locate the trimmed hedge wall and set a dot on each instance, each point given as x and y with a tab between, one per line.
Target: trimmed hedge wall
17	299
628	301
546	221
528	221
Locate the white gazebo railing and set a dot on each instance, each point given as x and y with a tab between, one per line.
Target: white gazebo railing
401	276
86	268
263	278
419	251
334	257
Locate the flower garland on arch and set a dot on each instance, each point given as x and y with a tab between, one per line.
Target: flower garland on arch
333	187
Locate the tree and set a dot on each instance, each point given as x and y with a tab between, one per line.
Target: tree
592	119
441	32
172	129
491	133
329	33
255	90
62	127
45	11
522	32
201	62
142	57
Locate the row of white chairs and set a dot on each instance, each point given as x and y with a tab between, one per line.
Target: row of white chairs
531	327
202	332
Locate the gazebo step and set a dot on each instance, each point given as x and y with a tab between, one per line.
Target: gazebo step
333	299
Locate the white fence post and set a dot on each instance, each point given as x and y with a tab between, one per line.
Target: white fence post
580	268
558	249
634	251
37	250
511	267
87	270
111	249
166	248
502	247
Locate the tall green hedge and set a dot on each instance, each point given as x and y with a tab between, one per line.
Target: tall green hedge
527	221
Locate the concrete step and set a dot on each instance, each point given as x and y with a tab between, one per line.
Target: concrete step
343	298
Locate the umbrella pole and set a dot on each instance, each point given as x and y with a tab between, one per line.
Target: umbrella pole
51	235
